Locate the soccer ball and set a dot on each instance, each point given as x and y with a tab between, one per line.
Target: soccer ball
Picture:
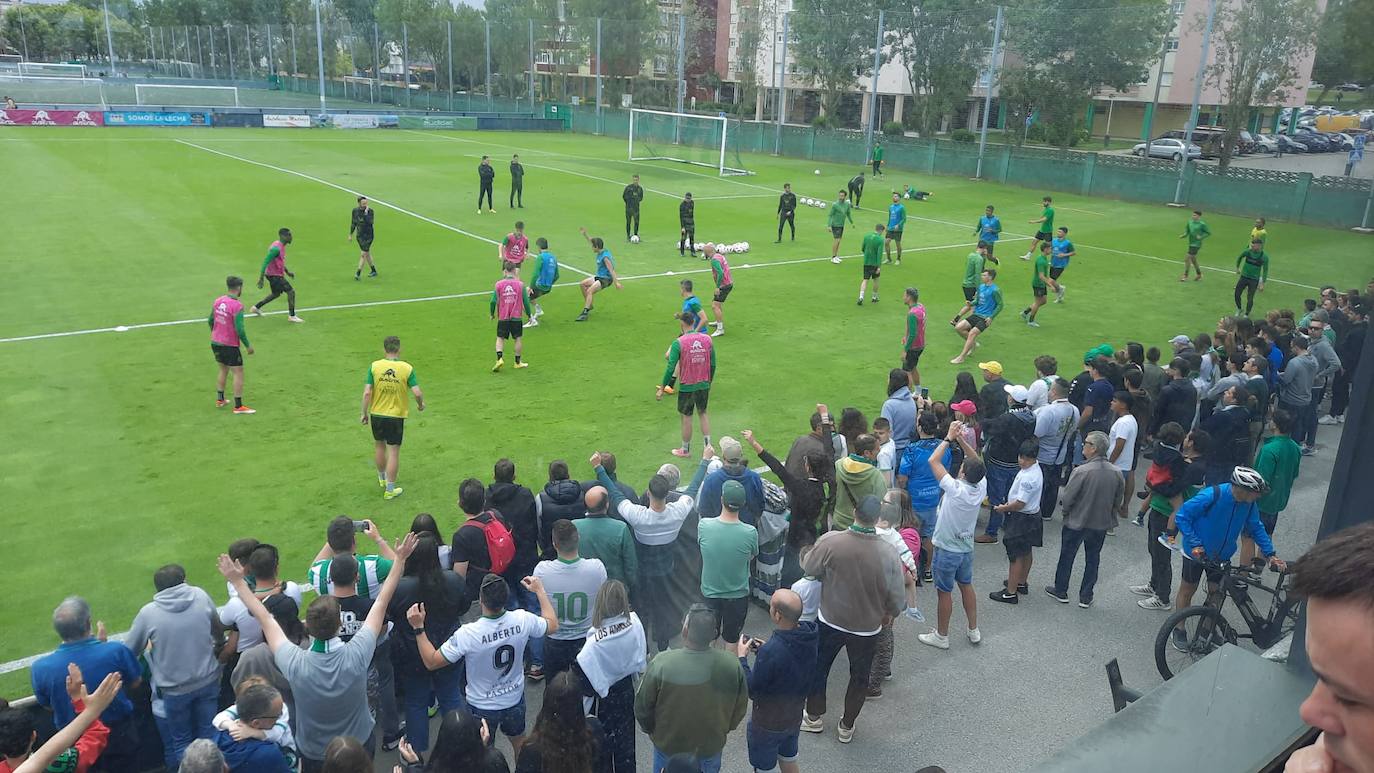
634	239
906	195
821	204
745	245
818	171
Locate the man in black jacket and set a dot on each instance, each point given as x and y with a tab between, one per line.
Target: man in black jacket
1348	349
1229	426
633	195
517	182
1002	439
561	499
485	176
787	211
687	222
518	509
1177	398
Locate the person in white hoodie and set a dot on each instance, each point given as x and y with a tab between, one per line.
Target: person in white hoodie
177	629
614	654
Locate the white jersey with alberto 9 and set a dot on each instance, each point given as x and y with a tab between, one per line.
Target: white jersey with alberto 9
494	651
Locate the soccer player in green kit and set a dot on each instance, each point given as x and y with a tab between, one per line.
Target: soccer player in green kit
873	261
1194	231
1040	285
1253	265
1046	230
839	211
973	270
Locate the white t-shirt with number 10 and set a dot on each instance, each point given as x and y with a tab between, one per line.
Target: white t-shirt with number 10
494	651
572	587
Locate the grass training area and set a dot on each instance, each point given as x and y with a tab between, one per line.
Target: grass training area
118	460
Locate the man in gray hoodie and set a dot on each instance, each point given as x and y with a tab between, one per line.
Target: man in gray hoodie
1328	364
1296	386
177	629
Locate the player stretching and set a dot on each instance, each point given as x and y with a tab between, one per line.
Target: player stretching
1040	285
545	277
856	188
274	271
633	195
697	358
1061	249
385	407
720	273
987	308
1046	229
605	269
485	176
514	247
787	211
973	271
914	340
687	225
873	261
1194	231
989	229
361	224
896	221
510	304
839	211
226	335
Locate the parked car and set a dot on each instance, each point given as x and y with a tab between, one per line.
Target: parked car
1350	87
1266	144
1288	144
1315	143
1167	147
1340	141
1245	143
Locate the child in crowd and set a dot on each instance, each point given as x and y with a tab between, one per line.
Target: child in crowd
238	728
1167	466
887	448
809	589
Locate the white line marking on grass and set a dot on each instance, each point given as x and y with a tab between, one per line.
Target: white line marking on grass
1084	211
741	196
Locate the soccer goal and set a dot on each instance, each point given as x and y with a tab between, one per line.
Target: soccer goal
160	94
52	69
9	63
53	91
704	140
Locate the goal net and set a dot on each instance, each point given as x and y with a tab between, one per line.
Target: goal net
160	94
53	91
710	141
51	69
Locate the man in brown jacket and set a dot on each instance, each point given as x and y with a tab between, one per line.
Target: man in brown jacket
1089	502
861	591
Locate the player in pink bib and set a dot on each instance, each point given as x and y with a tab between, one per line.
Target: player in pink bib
510	304
720	273
275	272
227	334
515	247
694	357
914	339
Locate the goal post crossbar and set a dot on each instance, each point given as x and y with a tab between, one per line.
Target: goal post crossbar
719	162
139	89
51	69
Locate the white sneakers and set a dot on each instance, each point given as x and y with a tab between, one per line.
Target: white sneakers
974	636
1329	420
1155	605
934	639
294	318
835	260
812	724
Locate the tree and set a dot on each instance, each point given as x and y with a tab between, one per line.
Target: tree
1079	47
1343	50
1258	44
834	44
941	45
627	35
750	37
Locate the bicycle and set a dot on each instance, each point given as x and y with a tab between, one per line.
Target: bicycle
1205	628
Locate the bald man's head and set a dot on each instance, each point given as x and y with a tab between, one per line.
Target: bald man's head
595	499
785	608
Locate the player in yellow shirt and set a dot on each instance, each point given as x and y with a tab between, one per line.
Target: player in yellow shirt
385	407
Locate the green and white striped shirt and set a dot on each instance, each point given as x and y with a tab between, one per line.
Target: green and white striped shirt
372	571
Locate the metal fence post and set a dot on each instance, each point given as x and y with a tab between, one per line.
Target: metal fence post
210	32
1154	102
377	59
405	59
295	69
987	95
600	127
200	56
490	105
531	65
681	74
109	36
319	54
229	48
248	47
782	86
450	65
23	31
1197	95
875	107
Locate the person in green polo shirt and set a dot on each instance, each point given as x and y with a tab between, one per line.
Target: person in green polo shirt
1194	231
973	273
877	159
873	261
839	212
1253	265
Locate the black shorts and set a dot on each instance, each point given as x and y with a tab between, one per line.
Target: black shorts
1021	532
1193	250
1270	520
970	293
365	243
730	613
1040	292
227	355
979	321
837	231
387	429
509	328
722	293
604	281
1044	236
694	400
1056	271
279	284
1192	572
895	235
536	291
872	272
911	359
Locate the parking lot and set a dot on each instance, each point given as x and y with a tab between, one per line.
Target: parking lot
1318	164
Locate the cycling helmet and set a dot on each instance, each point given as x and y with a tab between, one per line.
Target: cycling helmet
1248	478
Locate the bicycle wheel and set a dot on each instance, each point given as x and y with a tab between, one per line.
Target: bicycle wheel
1204	630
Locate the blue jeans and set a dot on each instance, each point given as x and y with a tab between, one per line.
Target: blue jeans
704	764
1309	417
999	478
949	568
423	687
529	602
1069	540
188	716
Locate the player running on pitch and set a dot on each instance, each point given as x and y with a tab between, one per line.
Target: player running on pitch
839	212
385	407
973	271
514	247
693	356
632	195
226	335
1194	231
896	221
987	308
275	272
545	277
361	225
873	261
1061	250
510	304
720	274
1040	285
787	212
989	229
687	225
605	272
1046	230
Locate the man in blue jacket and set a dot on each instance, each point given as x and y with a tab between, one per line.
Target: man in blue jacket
732	468
1210	523
778	683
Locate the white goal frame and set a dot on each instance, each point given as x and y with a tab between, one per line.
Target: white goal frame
720	166
52	70
139	87
32	80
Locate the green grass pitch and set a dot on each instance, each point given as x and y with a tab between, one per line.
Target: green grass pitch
116	460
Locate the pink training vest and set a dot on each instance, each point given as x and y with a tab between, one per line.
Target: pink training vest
510	299
694	358
725	278
226	308
515	247
278	265
919	312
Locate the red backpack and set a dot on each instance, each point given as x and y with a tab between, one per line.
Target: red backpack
500	543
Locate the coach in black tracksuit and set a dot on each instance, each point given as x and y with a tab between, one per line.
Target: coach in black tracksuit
787	211
633	194
485	176
517	182
687	221
856	189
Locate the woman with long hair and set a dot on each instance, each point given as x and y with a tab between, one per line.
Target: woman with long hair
965	388
565	739
614	653
444	596
424	523
461	747
853	423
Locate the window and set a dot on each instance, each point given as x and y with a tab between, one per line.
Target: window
792	68
1171	44
1178	7
660	65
